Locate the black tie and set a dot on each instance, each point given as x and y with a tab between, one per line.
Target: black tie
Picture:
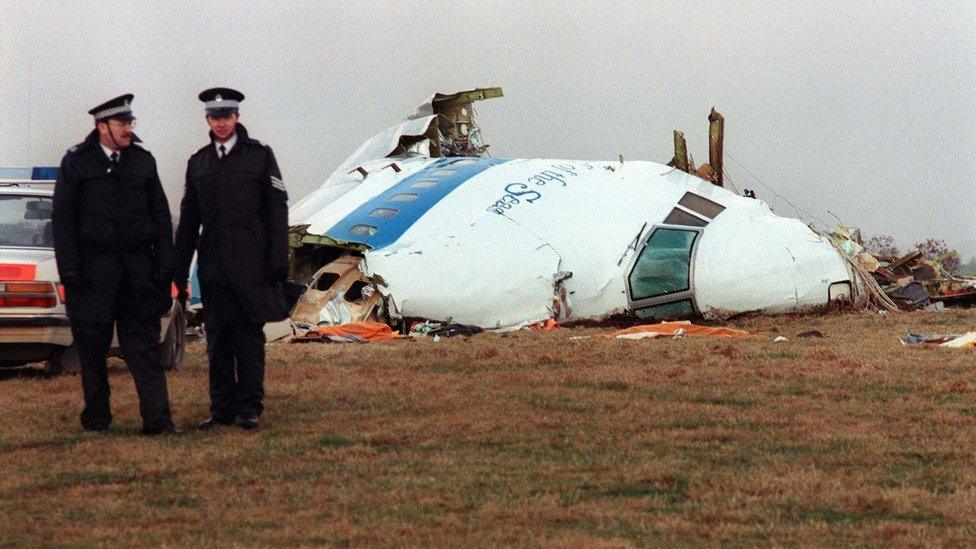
223	151
114	158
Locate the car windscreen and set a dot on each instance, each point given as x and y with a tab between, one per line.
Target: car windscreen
25	221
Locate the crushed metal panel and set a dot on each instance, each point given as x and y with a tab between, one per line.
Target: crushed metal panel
491	273
435	103
389	140
337	293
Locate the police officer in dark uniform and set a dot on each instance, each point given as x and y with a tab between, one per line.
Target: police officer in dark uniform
234	191
113	242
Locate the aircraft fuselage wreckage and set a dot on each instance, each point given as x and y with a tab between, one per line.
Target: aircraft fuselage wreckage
421	223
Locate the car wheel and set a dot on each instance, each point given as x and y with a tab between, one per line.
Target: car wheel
173	349
63	359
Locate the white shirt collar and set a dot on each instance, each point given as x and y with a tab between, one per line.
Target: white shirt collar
108	152
228	145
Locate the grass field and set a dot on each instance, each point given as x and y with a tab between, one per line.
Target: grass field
529	438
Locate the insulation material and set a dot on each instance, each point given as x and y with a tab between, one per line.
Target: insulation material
491	273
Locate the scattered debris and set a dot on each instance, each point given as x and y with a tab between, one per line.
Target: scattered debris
780	339
955	341
451	330
967	340
424	328
907	282
912	338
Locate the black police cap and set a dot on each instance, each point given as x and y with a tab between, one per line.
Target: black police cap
119	108
221	101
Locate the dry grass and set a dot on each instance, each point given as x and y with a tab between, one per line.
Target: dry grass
528	438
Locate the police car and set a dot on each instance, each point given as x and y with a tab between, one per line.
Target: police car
34	326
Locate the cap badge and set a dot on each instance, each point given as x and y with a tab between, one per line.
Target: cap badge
219	98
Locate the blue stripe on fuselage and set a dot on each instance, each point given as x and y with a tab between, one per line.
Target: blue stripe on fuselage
389	229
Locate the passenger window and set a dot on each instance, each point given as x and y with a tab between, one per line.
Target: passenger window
424	184
701	205
404	197
668	311
383	212
363	230
681	217
664	264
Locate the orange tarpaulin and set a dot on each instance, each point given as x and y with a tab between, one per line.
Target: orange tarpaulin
665	329
370	331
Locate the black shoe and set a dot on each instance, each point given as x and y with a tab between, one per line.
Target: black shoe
172	430
212	422
249	423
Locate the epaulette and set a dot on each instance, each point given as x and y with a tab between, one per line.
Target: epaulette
75	148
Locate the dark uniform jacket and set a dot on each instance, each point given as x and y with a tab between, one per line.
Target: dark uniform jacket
241	204
109	222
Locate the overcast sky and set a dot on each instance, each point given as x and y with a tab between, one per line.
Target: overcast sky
864	109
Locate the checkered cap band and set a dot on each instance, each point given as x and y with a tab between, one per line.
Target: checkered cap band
222	104
112	111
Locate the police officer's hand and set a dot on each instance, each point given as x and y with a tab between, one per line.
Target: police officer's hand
70	279
279	274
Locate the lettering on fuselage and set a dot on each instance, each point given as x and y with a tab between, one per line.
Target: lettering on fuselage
533	187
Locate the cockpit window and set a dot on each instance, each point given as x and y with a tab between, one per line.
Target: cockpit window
25	221
664	265
681	217
701	205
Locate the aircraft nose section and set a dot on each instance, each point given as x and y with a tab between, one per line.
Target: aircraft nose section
769	264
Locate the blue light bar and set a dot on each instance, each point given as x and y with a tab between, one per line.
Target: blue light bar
37	173
44	173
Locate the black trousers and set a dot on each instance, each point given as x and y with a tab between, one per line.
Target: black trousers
236	353
139	340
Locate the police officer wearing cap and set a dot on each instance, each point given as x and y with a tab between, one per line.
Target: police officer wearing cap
113	243
234	192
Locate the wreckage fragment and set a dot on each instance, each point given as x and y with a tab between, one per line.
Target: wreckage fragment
713	170
716	136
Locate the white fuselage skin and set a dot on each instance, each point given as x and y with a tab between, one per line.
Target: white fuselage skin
489	252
